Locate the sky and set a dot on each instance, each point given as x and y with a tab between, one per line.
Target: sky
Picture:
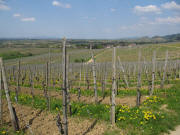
88	19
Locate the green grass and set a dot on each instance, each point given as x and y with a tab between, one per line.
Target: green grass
148	119
107	92
5	130
41	55
13	55
135	122
131	54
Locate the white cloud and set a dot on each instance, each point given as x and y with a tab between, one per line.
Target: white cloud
89	18
59	4
171	5
112	9
168	20
3	6
147	9
56	3
30	19
16	15
23	18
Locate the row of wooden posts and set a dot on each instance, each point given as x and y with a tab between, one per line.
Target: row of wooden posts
63	125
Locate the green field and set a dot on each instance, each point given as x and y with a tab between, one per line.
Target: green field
131	54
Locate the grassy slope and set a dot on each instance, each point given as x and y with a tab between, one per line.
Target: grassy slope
131	54
41	55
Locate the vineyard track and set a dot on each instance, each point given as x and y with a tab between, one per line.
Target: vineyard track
44	123
91	60
176	132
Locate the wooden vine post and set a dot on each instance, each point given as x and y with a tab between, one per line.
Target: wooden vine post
114	88
12	111
153	72
79	88
31	82
94	76
124	75
164	70
18	80
1	96
139	81
67	85
65	119
50	78
47	86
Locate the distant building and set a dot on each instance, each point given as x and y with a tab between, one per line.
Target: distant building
108	46
131	45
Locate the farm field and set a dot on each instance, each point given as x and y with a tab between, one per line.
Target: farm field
40	55
142	83
130	54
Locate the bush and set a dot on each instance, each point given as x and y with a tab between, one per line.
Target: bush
79	60
13	55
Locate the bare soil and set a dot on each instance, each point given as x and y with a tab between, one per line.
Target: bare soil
176	132
122	88
44	123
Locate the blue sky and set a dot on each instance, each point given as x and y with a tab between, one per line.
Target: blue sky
88	18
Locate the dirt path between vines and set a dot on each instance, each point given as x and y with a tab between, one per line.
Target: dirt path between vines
44	123
130	88
176	132
90	61
128	100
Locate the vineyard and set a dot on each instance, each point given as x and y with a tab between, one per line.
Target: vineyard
111	91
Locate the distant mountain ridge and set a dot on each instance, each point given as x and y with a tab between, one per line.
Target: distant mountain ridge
172	37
